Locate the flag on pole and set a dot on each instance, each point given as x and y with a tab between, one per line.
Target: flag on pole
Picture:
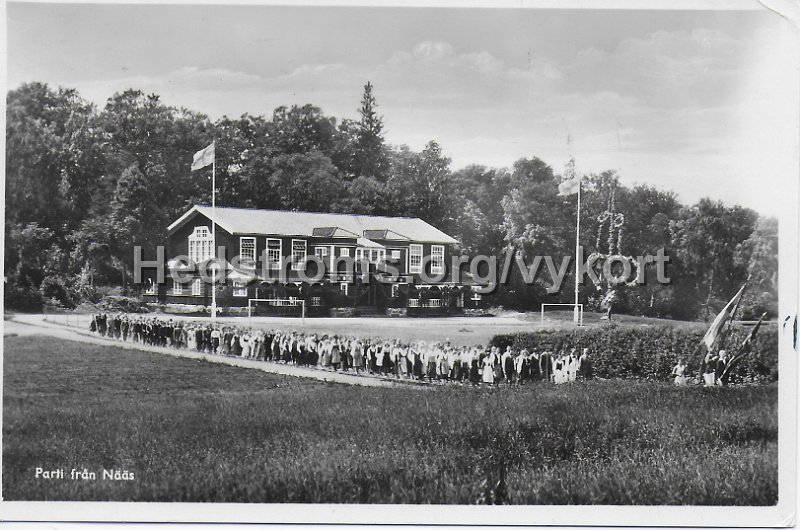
203	158
744	349
711	336
569	187
747	344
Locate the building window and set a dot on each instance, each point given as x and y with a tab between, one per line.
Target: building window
327	257
437	259
344	252
434	302
177	287
239	288
396	255
316	301
395	290
273	254
197	287
415	259
373	255
460	300
413	302
299	253
247	252
201	245
343	288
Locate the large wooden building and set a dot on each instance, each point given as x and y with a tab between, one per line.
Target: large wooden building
400	264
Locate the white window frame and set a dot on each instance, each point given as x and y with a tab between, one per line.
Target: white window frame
177	287
197	287
395	290
395	253
326	257
343	288
247	261
239	288
368	253
272	262
201	244
299	265
437	268
344	252
414	250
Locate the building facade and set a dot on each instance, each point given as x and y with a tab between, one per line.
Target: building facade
334	262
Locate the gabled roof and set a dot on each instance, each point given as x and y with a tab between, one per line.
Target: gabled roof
364	242
279	222
385	234
332	231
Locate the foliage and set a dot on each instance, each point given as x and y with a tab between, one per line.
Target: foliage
649	352
370	155
84	185
194	431
121	304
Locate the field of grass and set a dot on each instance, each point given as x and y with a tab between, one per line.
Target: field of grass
193	431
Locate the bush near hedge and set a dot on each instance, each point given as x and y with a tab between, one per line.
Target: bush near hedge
651	352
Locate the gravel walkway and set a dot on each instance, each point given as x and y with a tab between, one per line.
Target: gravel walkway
35	325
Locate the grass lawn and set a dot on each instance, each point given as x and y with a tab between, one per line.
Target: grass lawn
194	431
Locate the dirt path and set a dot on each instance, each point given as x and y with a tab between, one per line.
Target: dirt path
35	325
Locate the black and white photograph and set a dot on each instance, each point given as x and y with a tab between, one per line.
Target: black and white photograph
366	263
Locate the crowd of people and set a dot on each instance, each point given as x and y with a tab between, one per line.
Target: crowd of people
435	361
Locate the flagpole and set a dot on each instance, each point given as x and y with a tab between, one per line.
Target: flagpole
726	329
575	315
214	236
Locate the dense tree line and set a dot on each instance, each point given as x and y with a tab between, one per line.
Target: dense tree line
83	186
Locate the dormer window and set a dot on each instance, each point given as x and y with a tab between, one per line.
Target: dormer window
201	245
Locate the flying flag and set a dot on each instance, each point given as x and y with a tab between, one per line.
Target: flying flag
569	187
748	342
744	349
711	336
203	158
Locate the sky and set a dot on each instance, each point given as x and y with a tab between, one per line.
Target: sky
694	102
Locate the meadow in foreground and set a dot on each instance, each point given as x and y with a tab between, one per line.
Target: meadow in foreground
195	431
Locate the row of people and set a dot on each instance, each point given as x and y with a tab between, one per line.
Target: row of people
401	359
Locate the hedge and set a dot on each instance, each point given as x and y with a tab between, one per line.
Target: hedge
650	352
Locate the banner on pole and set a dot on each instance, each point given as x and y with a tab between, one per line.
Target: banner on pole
203	158
569	187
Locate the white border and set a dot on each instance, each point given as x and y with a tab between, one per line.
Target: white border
781	515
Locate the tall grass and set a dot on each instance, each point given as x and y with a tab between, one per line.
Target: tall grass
193	431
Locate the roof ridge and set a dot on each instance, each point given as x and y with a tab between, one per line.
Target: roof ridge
307	211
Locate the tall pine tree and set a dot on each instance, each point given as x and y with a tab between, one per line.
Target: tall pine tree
370	158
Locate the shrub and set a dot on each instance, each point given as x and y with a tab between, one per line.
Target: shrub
121	304
650	352
22	297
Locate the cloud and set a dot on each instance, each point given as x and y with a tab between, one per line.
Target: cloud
667	69
664	108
